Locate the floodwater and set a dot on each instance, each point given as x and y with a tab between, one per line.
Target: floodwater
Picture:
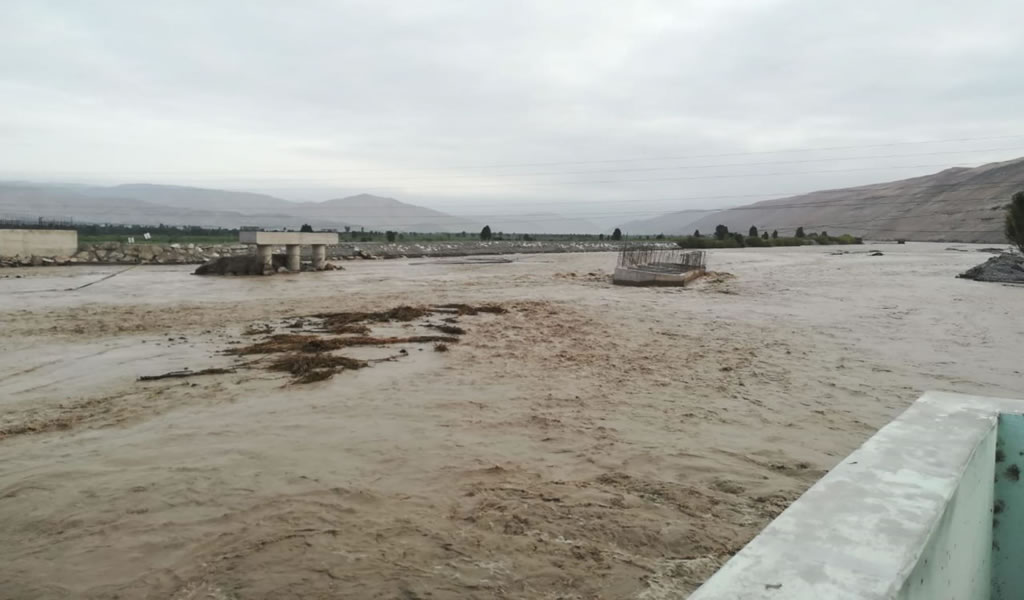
593	442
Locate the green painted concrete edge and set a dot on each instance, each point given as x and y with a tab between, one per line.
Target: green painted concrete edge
1008	510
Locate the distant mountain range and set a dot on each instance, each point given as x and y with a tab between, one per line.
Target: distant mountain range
957	204
146	204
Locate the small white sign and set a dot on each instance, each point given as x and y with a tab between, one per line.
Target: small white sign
146	235
131	240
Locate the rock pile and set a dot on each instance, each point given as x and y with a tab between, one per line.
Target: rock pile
1004	268
181	254
250	264
118	253
352	250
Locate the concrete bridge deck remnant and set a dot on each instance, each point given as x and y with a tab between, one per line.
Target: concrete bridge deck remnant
293	242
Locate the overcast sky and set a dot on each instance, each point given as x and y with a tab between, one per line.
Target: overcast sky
462	105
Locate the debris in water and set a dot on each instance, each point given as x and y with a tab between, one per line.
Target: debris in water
259	329
308	368
297	342
299	364
401	313
466	309
186	373
351	328
449	329
314	376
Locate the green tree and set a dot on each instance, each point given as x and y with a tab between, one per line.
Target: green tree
721	231
617	234
1015	221
485	233
391	235
306	228
764	235
823	234
696	233
799	232
775	234
740	241
600	236
752	232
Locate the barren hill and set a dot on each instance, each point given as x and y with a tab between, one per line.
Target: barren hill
676	223
149	204
957	204
377	212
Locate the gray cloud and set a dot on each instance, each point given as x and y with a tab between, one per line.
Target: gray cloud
311	98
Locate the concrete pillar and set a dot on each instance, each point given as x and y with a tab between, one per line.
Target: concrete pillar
294	257
266	253
319	257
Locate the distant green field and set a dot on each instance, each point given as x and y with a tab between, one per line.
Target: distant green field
158	238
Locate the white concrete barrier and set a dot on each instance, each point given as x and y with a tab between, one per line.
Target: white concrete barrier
38	242
912	514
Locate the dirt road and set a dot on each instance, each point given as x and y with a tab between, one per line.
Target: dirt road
593	442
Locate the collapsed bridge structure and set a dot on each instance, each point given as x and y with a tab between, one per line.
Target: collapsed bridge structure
649	265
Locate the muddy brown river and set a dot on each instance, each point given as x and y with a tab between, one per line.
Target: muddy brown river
592	442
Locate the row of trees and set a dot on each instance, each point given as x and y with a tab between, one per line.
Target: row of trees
722	232
486	235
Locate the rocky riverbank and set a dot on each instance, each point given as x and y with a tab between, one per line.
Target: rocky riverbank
178	254
1004	268
470	248
132	254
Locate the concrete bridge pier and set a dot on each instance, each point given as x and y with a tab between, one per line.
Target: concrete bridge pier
265	252
319	257
294	257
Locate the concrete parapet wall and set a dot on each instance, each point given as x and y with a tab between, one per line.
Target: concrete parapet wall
38	242
908	516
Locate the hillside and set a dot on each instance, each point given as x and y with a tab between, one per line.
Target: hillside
95	205
957	204
178	205
198	198
376	212
676	223
144	204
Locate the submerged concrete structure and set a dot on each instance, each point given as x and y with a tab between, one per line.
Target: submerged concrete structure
656	265
932	506
293	241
